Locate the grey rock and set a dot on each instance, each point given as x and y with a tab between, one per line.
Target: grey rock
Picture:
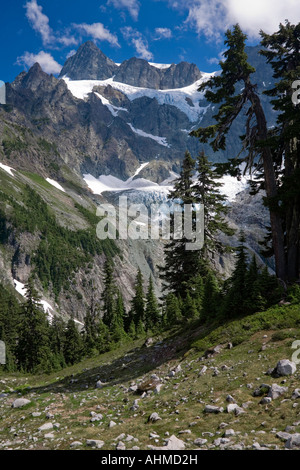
46	427
283	436
213	409
75	444
293	441
296	394
202	371
99	384
20	402
49	435
230	399
200	442
285	367
229	433
120	446
221	441
265	400
276	391
112	424
95	443
154	417
173	443
232	407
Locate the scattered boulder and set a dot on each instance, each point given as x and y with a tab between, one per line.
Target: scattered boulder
229	433
234	408
148	385
276	391
213	409
296	394
75	444
265	400
293	441
285	367
99	384
173	443
20	402
202	371
230	399
153	418
283	436
213	351
46	427
95	416
97	444
200	442
120	446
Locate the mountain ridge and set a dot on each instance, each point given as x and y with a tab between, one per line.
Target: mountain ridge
90	63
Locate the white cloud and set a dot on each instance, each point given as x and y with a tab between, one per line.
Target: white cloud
132	6
40	23
211	18
163	33
138	41
97	31
46	61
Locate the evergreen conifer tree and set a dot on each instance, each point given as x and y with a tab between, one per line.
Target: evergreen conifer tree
152	313
181	265
73	345
33	350
137	313
108	294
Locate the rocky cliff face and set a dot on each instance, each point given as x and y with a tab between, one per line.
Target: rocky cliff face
138	72
89	63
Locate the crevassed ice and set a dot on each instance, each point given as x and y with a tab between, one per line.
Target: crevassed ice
175	97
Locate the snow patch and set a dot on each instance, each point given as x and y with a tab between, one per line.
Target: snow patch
111	183
113	109
159	140
160	66
174	97
232	186
8	169
55	184
21	289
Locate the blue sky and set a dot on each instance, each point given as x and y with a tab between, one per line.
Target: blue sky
161	31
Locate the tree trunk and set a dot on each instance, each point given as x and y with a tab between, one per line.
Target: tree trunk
271	188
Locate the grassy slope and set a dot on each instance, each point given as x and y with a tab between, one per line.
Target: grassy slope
70	395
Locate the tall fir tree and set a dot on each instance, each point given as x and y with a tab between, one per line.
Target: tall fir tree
33	351
117	332
73	348
207	192
238	292
234	91
283	52
108	294
181	264
137	312
152	311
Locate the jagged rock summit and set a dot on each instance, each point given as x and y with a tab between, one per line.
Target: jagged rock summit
90	63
